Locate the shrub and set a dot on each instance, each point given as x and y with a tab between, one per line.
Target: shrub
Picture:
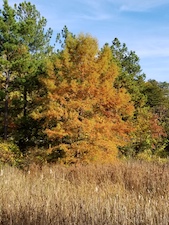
9	153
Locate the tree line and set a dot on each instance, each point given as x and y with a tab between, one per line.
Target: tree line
77	103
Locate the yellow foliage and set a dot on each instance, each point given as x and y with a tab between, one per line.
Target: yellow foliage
90	118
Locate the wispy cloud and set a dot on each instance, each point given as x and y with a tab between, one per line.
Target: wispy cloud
153	50
156	68
94	16
137	5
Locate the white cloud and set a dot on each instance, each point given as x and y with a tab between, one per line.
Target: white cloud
138	5
153	51
150	46
94	16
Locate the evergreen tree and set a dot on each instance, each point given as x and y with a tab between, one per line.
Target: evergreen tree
131	76
9	41
25	44
37	42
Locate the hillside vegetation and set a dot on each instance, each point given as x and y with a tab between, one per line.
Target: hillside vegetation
77	103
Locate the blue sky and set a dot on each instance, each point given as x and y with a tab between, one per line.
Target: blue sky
142	24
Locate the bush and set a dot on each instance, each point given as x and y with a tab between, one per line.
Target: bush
9	154
34	156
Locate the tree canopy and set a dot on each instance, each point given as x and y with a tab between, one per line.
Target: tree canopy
80	103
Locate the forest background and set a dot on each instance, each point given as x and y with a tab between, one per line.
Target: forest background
75	104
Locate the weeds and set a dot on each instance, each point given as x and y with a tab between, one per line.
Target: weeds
124	193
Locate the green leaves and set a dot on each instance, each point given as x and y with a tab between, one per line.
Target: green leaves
131	76
24	44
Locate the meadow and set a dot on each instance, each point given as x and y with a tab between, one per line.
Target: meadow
125	193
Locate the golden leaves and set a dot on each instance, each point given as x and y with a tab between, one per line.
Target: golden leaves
86	110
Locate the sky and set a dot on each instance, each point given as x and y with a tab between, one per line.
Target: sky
143	25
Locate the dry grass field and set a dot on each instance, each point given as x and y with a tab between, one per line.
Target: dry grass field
123	194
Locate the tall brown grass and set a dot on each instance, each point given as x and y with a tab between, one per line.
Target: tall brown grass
125	193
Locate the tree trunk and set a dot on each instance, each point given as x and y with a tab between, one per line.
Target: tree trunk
6	106
25	102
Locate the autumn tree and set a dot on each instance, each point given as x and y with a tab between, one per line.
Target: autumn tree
158	100
86	118
148	137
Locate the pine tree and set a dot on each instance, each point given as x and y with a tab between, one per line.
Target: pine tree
24	45
131	76
37	42
9	41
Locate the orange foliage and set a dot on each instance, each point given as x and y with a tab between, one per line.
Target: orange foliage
85	115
